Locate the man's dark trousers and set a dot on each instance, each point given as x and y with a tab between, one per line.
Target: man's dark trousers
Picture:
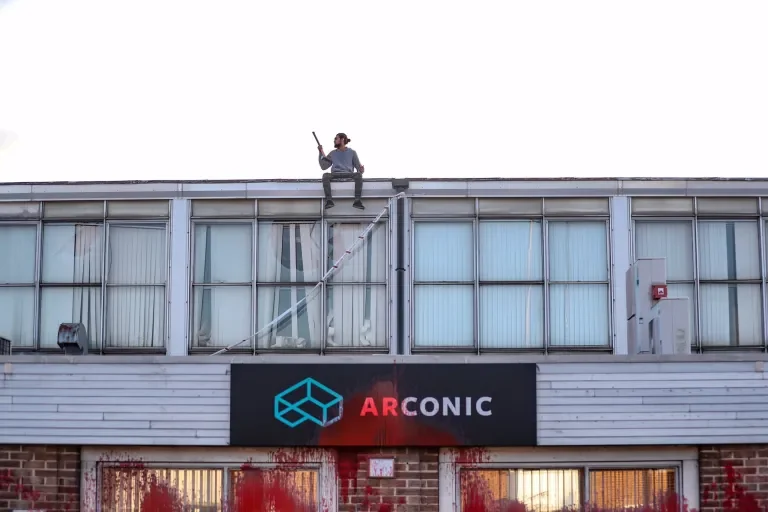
342	176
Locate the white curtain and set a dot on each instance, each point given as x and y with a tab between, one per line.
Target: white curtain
17	266
444	295
222	292
72	254
136	308
356	304
578	309
511	315
672	241
731	313
289	253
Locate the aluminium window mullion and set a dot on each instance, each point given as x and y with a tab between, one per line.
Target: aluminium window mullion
38	277
545	268
104	276
761	241
476	272
696	284
254	309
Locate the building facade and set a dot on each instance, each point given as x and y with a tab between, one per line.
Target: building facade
470	347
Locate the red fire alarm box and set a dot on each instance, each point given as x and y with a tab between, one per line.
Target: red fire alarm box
659	291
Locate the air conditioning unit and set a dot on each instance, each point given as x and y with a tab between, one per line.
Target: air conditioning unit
669	328
645	278
73	339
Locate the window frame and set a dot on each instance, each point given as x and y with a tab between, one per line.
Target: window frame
35	285
104	222
694	218
323	220
684	460
476	219
226	460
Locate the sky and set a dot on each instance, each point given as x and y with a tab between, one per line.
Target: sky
190	89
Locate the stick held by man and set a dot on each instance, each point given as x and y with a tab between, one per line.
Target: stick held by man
345	165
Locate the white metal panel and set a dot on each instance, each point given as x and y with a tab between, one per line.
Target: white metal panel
664	404
138	404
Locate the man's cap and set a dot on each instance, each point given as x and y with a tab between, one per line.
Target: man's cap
343	136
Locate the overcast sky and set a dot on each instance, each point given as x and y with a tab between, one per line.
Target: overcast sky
189	89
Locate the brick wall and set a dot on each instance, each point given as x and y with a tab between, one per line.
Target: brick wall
39	477
750	474
413	489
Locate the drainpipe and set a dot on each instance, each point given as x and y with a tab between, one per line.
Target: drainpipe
400	186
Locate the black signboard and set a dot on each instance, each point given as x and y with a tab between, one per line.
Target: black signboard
383	405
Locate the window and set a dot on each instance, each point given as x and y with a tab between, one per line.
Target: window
17	283
238	296
714	259
128	488
102	264
496	280
555	489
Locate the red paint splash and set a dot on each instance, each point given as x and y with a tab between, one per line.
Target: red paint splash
356	430
13	483
267	490
161	497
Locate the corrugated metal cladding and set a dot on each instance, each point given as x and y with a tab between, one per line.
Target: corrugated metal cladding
579	403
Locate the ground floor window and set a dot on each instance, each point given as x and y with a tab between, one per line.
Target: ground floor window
555	489
130	488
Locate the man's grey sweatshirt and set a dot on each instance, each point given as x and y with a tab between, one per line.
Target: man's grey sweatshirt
342	161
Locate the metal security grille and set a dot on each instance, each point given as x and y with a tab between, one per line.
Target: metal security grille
540	490
552	490
622	488
136	489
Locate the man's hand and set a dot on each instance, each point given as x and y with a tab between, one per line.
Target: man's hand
320	149
362	169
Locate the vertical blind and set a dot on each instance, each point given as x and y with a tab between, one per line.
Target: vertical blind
729	305
511	262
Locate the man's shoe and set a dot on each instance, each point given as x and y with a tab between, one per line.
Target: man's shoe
329	203
358	204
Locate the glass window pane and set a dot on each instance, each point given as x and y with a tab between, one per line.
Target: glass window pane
17	315
17	256
619	489
300	329
511	316
728	250
72	253
510	251
289	252
135	316
578	315
444	315
731	315
221	316
223	253
444	251
70	305
670	240
367	263
357	316
137	254
548	490
484	490
578	251
128	489
275	490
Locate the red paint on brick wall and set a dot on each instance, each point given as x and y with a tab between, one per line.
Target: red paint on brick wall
39	476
